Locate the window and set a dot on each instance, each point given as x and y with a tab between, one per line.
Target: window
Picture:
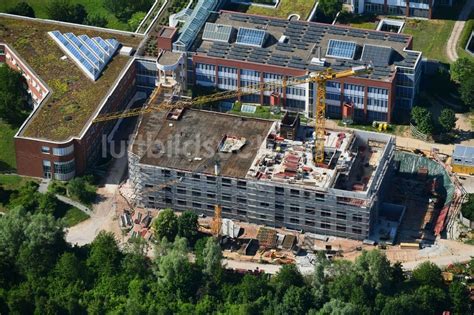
196	176
356	230
210	207
357	218
279	206
211	195
294	220
279	218
211	178
148	186
341	228
196	193
226	198
196	205
307	194
294	209
181	202
226	210
242	200
45	150
320	197
241	212
151	198
181	191
294	192
264	204
64	167
309	222
325	213
63	151
310	210
180	174
341	215
325	225
279	190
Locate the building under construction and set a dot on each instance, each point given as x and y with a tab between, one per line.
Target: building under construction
260	171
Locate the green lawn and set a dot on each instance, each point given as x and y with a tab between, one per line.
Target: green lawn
92	6
285	8
260	112
73	216
430	37
7	148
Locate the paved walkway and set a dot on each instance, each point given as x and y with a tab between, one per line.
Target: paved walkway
457	30
73	203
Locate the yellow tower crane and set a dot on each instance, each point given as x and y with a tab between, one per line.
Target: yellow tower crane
319	78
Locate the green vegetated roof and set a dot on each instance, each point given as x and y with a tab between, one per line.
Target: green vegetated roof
73	95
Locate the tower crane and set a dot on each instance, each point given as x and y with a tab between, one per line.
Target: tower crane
319	78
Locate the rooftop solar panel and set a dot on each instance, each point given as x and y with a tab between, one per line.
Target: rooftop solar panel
91	55
341	49
217	32
378	55
251	37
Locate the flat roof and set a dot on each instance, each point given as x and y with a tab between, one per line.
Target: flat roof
462	151
73	94
293	44
192	142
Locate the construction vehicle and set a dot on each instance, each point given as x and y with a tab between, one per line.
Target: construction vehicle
319	78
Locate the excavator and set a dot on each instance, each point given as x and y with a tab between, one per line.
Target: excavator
319	78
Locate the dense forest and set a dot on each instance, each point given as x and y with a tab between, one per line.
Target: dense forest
41	273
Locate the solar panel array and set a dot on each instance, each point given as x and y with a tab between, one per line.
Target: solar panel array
341	49
249	109
90	54
303	37
251	37
217	32
377	55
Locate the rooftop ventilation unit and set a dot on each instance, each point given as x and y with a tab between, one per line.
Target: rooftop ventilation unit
318	61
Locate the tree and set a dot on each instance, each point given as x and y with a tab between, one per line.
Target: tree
330	7
427	273
166	225
13	96
176	275
96	20
401	305
81	190
123	9
188	226
337	307
22	8
462	69
287	276
66	11
447	119
460	297
104	257
212	257
135	20
295	301
467	91
423	119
